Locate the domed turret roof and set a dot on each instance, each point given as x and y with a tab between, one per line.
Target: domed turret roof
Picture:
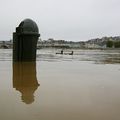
29	25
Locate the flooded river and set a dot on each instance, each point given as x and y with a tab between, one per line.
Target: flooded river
82	86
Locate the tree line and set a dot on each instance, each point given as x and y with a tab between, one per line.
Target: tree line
113	44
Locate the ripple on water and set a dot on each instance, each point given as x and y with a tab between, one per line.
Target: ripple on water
97	56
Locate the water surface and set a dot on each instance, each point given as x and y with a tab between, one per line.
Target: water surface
83	86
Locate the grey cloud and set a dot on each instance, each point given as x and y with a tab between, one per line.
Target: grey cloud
62	19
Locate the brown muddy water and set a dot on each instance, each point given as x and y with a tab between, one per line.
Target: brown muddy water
82	86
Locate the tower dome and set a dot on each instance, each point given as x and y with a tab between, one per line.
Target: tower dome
28	26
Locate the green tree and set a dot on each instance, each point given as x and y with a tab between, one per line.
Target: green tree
117	44
109	44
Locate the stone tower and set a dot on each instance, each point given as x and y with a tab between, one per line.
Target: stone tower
25	41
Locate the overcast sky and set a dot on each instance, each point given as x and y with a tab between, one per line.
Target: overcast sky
62	19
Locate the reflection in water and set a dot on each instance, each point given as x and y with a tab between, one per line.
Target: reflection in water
25	80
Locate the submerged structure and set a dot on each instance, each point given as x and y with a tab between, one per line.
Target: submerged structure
25	41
